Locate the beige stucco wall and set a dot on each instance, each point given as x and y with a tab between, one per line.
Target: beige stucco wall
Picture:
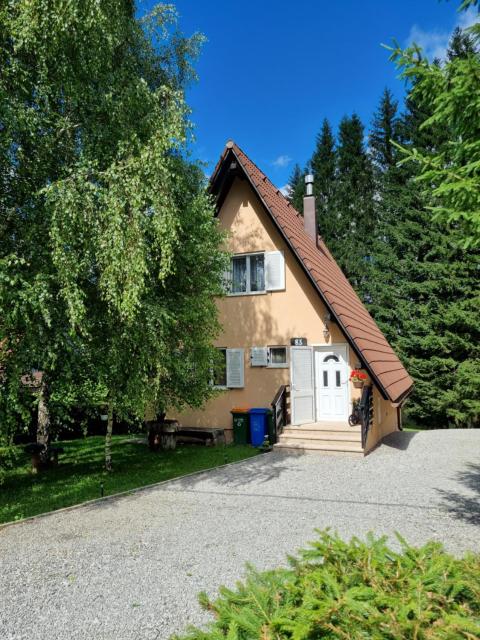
385	420
266	319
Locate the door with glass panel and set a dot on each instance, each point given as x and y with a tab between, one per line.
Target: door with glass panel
331	383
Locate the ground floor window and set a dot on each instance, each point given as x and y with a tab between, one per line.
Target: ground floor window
228	369
277	356
219	378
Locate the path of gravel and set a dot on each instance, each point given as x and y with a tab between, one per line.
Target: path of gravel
130	568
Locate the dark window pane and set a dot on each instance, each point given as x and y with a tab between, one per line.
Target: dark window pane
278	355
220	369
337	378
239	275
257	273
325	378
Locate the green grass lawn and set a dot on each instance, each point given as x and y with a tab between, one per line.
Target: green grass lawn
80	473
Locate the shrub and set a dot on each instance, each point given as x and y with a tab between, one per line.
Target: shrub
355	590
9	457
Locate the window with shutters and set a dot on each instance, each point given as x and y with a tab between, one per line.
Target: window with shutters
248	274
254	273
235	368
219	370
228	370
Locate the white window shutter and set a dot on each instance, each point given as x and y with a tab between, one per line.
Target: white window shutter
235	366
274	271
258	356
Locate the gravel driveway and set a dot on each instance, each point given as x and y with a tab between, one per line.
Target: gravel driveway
130	568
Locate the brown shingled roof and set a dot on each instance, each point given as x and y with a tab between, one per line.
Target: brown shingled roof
357	324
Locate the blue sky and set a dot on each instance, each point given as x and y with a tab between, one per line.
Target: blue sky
271	70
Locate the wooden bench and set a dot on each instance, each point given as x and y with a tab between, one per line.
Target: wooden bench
166	434
209	437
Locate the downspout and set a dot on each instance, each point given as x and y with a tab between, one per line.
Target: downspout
399	418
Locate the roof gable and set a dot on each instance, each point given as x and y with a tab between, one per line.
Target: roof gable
326	276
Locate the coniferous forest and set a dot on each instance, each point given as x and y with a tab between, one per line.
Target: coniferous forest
413	272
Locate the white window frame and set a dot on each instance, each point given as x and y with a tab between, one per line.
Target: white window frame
248	292
283	365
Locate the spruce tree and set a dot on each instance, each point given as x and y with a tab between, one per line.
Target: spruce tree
351	237
423	288
323	165
384	132
296	186
461	45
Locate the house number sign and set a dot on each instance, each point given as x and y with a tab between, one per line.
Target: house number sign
298	342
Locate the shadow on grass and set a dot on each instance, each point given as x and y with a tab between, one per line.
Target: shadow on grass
459	504
80	473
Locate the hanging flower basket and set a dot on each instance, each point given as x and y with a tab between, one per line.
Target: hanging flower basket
358	378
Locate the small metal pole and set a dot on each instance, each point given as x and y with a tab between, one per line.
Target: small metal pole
101	489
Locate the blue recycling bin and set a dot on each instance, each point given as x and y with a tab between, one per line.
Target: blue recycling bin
258	425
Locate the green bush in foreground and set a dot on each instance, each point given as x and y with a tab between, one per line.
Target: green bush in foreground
353	590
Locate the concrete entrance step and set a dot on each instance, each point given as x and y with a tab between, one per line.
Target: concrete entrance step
325	447
327	426
295	433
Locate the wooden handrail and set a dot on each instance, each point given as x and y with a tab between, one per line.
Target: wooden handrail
279	393
366	412
279	408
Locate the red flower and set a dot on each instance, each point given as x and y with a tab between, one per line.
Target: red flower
356	374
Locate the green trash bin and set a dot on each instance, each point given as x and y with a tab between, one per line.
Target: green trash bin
241	426
272	433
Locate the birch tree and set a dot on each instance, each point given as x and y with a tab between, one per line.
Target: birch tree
109	251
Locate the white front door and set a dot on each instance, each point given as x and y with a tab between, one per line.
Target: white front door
302	392
331	388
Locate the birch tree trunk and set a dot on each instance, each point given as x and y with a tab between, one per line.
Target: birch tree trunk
43	420
108	438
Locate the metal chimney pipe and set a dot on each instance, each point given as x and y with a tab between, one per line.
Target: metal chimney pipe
309	183
309	209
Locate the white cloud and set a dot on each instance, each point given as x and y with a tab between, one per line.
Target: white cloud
285	190
282	161
468	18
434	43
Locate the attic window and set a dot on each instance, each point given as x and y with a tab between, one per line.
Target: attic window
258	272
248	273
